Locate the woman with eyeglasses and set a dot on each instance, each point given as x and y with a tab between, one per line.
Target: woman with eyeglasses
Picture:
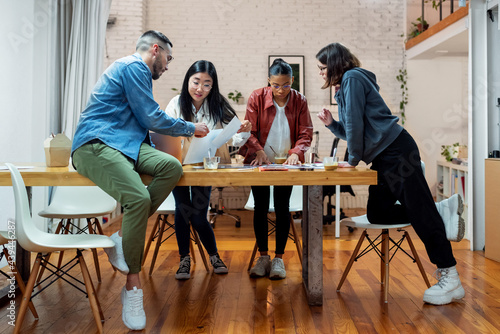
374	136
200	100
281	127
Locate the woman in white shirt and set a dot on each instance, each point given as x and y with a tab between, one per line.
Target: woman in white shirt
200	101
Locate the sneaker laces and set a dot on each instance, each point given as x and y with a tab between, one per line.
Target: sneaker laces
441	274
216	261
185	263
135	305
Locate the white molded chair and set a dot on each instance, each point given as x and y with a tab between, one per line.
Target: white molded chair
382	246
69	203
295	206
4	239
33	239
161	226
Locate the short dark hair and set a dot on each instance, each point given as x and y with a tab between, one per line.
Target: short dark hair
280	67
338	60
151	37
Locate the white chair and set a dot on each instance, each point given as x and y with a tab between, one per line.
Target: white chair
382	246
161	226
295	206
33	239
4	239
70	203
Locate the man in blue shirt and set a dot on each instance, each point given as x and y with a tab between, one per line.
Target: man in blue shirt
112	147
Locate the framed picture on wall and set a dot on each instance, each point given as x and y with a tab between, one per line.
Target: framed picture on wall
333	90
297	64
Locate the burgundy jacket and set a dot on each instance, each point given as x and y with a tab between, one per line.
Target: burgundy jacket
261	112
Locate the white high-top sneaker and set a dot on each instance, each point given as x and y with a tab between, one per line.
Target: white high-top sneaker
447	289
451	210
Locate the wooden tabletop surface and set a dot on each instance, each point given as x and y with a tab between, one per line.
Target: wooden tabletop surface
41	175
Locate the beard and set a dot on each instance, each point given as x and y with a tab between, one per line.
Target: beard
157	69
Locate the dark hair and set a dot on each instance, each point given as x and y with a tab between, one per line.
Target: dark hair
218	107
280	67
151	37
338	60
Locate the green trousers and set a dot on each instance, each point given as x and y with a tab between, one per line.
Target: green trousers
118	176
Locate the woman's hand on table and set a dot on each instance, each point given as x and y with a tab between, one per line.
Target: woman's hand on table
293	159
246	126
325	116
260	159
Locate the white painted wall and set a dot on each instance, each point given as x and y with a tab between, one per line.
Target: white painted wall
23	29
436	113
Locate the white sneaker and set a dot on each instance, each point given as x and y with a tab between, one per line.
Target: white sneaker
262	267
133	314
115	254
277	269
451	210
447	289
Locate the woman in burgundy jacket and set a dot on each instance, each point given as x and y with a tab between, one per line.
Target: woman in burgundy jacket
281	129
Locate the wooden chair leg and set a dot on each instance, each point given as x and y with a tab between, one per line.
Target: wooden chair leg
296	238
151	236
94	252
385	263
417	259
200	248
252	258
27	293
58	230
61	253
21	285
94	302
158	244
352	259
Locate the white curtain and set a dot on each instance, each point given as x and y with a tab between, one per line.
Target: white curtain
77	34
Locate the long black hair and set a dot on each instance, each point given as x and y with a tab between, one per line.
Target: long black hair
338	60
218	106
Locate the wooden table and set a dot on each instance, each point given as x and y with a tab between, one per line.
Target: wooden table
312	227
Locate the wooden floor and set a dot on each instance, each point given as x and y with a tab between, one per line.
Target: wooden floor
235	303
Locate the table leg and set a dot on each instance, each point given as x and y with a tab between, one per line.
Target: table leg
312	242
23	258
337	211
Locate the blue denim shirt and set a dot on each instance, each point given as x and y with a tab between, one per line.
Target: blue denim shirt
121	110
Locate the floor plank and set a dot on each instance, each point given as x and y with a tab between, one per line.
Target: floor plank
236	303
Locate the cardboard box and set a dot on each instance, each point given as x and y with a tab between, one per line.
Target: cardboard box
57	150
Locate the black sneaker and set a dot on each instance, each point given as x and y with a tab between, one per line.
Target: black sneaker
219	266
184	271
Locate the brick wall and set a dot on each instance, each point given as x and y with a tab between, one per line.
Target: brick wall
237	36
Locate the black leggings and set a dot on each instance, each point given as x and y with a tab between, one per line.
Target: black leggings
281	196
400	178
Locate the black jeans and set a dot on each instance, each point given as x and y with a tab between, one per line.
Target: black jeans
281	196
400	178
193	206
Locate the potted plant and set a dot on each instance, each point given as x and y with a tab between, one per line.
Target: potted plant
418	27
449	151
236	96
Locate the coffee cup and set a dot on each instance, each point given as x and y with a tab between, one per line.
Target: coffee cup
330	163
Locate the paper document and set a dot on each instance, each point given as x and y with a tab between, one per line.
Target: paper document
200	147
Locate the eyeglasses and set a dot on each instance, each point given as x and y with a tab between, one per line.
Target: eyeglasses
204	87
322	68
169	57
277	87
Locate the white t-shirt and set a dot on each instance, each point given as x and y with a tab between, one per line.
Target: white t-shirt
202	116
279	135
